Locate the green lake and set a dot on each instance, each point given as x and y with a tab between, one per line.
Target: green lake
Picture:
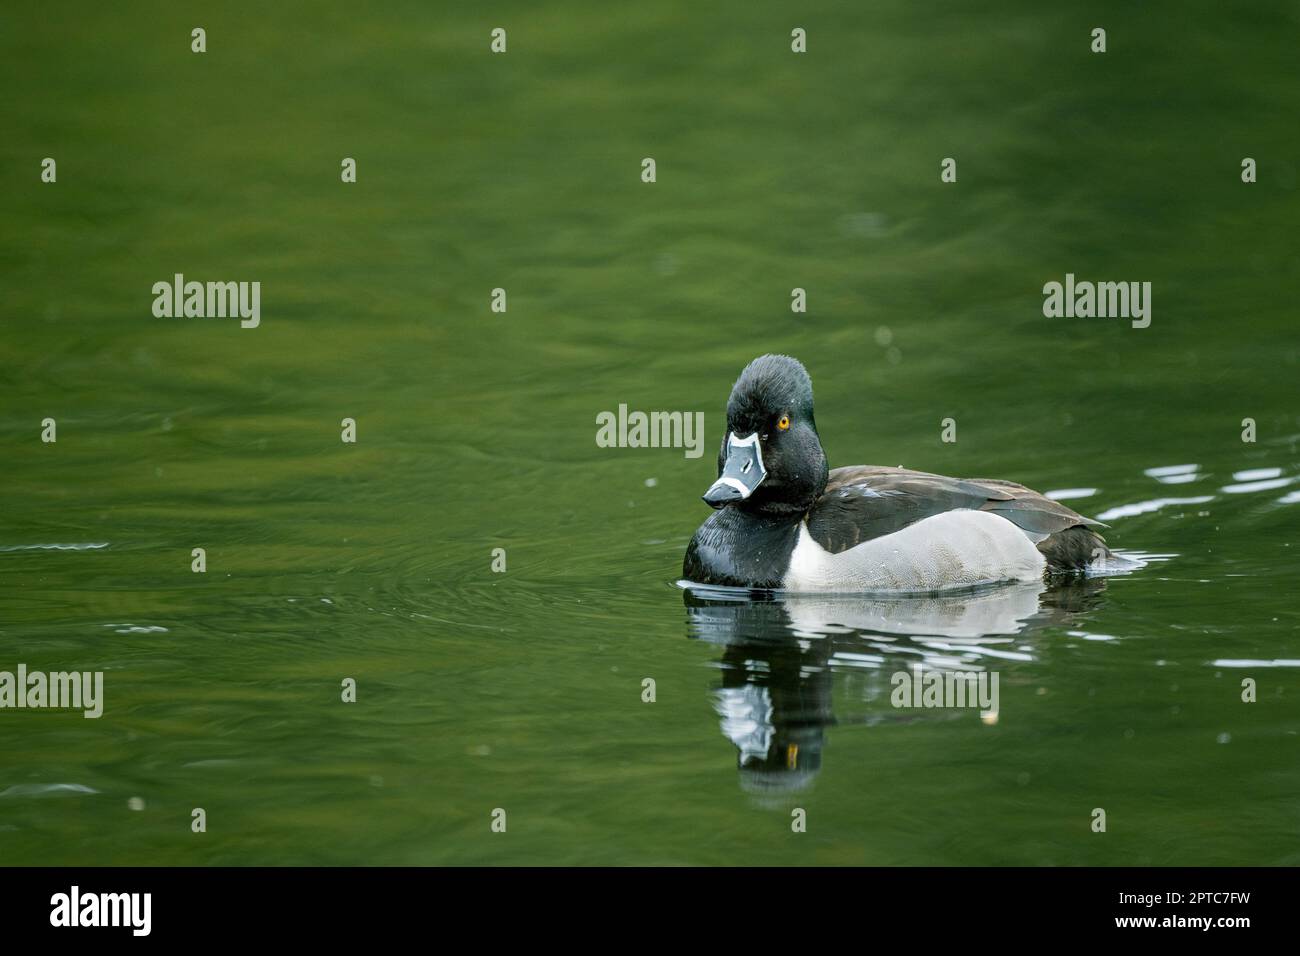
481	690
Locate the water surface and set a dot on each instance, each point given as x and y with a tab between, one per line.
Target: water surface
523	690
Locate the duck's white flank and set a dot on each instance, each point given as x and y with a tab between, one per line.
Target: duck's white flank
956	549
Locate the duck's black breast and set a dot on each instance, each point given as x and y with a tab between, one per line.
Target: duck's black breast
737	549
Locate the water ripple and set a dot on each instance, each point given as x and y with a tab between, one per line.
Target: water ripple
1145	507
86	546
45	789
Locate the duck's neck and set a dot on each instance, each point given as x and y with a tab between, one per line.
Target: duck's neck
747	549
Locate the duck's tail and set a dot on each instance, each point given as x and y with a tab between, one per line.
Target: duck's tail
1076	549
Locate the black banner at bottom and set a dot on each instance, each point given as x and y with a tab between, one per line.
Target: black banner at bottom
336	905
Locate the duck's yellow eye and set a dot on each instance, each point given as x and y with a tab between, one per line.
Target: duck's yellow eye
784	423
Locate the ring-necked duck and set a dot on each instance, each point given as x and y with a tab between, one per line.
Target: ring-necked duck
783	520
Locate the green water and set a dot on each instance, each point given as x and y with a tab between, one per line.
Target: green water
522	690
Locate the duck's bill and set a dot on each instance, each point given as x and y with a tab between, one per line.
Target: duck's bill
741	474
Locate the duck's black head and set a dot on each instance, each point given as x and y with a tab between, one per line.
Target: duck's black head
771	460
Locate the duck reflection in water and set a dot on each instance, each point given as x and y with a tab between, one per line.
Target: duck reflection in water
780	654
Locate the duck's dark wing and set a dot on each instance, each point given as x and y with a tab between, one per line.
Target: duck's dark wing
867	501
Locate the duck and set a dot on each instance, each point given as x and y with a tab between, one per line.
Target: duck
783	520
